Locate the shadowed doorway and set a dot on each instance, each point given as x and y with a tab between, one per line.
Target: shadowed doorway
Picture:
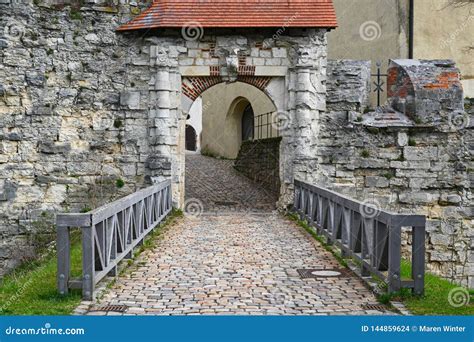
191	138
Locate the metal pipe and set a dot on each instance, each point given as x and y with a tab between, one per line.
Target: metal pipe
411	28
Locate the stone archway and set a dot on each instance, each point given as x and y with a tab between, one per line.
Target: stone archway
289	68
223	107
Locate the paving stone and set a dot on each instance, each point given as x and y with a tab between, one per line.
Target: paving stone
238	262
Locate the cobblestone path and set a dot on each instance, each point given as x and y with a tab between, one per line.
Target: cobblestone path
219	187
234	263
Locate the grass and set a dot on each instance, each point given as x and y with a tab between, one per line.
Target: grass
433	302
31	288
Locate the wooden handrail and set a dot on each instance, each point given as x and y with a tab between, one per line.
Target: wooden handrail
366	233
109	235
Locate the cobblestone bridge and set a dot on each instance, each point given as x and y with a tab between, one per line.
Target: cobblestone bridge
233	259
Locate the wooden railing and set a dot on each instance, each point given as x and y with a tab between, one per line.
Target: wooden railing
109	234
370	235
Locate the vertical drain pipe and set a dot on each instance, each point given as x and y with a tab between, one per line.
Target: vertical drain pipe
411	28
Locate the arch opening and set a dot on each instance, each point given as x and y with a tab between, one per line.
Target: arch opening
229	113
191	138
248	123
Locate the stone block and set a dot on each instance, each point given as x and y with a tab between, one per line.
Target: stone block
377	182
423	183
35	79
7	190
451	198
440	256
279	53
411	164
418	197
130	99
440	239
433	226
420	153
53	148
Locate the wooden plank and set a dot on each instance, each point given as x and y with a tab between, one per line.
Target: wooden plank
418	259
88	263
394	258
73	220
63	247
387	217
108	210
75	284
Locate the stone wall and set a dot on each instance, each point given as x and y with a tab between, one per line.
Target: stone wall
88	114
404	166
259	160
68	140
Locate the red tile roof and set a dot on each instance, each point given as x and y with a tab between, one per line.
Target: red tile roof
235	13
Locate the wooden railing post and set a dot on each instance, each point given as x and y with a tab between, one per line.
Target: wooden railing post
63	247
418	259
394	258
88	263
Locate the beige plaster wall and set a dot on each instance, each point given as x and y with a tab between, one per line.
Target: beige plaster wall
446	31
223	105
375	30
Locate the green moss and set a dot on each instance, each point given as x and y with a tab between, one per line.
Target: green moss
388	175
75	14
401	158
411	142
373	130
365	154
118	123
119	183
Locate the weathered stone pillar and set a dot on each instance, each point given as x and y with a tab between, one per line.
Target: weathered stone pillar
166	158
307	98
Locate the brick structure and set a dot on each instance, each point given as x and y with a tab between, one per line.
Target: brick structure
84	110
193	87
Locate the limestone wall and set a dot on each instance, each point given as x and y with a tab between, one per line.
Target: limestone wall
425	169
68	140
